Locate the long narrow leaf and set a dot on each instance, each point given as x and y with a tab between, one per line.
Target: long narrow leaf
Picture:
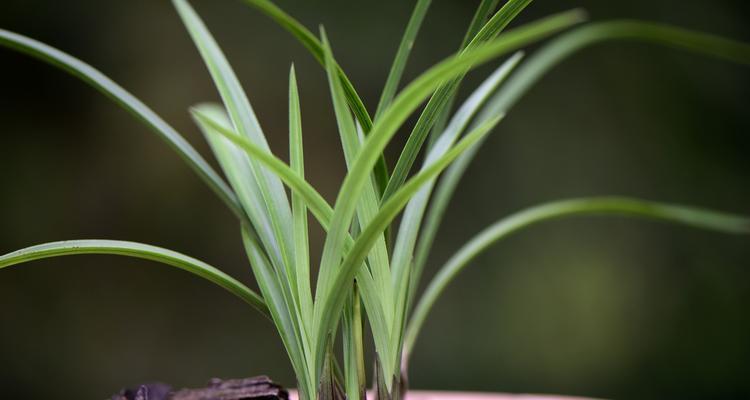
484	10
314	46
412	220
543	61
385	128
333	300
442	96
354	367
123	98
299	208
210	120
269	206
281	313
299	214
402	54
569	43
369	202
679	214
136	250
206	117
274	285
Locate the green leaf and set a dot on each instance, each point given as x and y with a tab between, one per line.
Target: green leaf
209	117
329	307
402	265
369	202
314	46
136	250
695	217
299	208
484	10
569	43
299	215
402	55
210	123
123	98
443	95
286	314
384	129
544	60
354	358
267	205
281	313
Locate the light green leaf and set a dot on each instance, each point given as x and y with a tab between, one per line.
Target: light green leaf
384	129
402	55
699	218
299	209
333	300
209	122
557	50
402	264
286	314
281	313
267	205
354	367
369	202
136	250
443	95
212	121
299	215
484	10
314	46
544	60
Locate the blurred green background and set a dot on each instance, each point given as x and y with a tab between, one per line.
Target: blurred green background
610	308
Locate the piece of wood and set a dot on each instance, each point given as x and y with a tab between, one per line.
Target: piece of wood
256	388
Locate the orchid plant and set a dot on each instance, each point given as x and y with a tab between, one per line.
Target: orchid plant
370	267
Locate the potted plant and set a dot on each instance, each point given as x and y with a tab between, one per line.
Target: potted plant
370	267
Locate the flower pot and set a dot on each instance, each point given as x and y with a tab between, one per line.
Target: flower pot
450	395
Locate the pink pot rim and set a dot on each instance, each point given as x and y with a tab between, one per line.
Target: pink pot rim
448	395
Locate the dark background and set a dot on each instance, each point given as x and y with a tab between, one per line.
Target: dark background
605	307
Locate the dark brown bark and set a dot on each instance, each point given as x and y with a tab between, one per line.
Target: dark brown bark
256	388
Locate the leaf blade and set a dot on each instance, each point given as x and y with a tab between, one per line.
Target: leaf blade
695	217
550	55
267	204
443	95
124	99
136	250
315	47
327	312
402	55
394	116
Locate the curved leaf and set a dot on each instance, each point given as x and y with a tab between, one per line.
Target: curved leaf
103	84
405	275
442	97
699	218
259	191
137	250
327	311
544	60
384	129
402	55
315	47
